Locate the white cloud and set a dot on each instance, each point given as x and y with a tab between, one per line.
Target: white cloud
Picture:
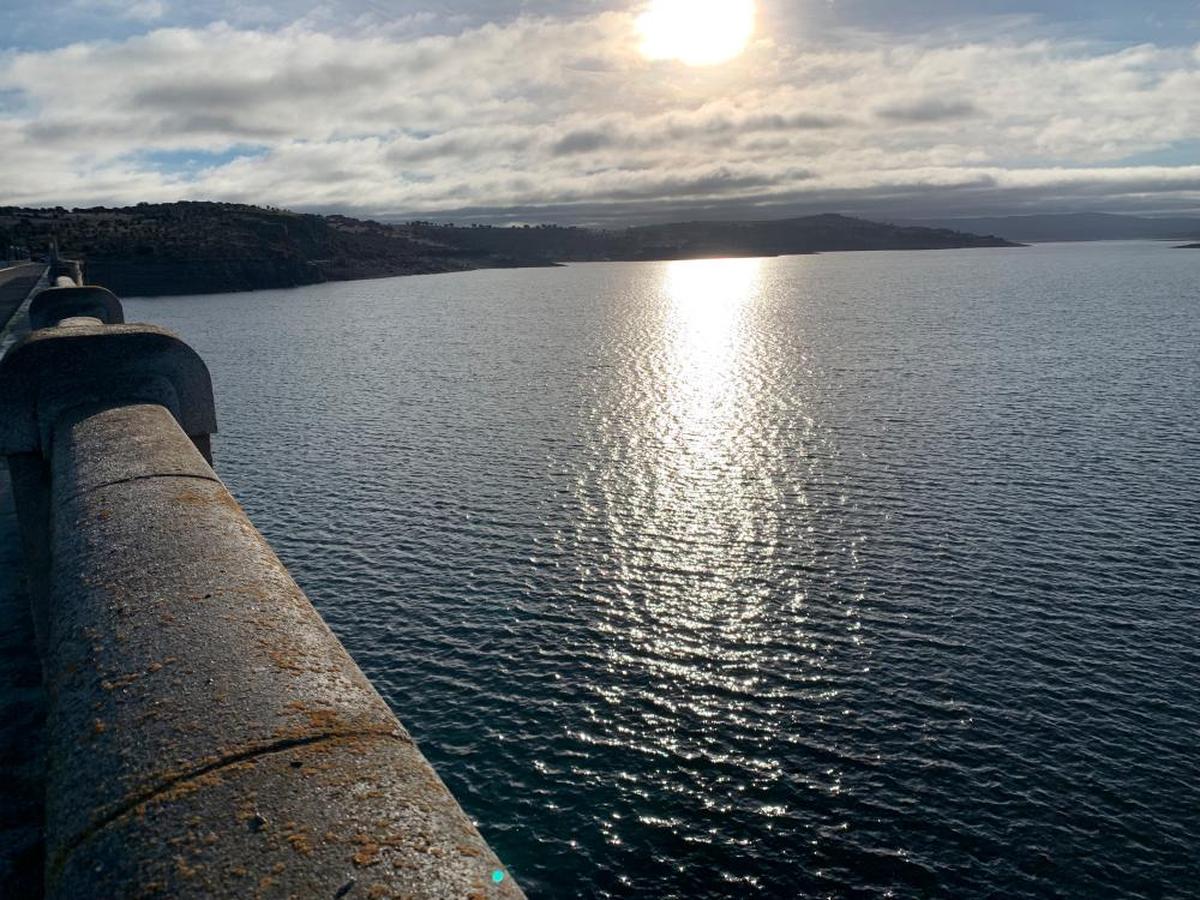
566	117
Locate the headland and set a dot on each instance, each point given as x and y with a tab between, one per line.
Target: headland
203	248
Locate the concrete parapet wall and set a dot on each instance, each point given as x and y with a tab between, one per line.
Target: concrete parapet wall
77	362
232	730
207	735
65	272
52	305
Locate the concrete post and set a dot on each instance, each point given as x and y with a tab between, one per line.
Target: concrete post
52	305
54	369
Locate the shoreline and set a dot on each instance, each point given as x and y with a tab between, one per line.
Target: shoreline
559	264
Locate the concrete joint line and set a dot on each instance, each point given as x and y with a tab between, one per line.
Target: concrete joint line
131	478
129	804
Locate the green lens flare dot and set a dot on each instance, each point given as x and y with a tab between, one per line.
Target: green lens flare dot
497	876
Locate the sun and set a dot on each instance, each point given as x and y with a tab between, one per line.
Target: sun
696	32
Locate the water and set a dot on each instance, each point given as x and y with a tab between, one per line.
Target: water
846	575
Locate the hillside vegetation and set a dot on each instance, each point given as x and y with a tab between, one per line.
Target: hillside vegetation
196	247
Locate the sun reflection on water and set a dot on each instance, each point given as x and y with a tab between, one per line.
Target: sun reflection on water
713	484
723	598
702	528
707	310
704	414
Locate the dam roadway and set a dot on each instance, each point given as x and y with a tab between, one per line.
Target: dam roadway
22	716
16	282
22	697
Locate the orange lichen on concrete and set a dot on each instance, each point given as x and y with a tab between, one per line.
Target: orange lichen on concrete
190	497
111	684
368	850
299	838
184	869
285	661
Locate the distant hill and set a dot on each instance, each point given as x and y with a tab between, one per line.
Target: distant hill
1189	247
1075	227
183	248
692	240
196	247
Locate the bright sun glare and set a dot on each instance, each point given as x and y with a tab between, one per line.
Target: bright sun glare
696	32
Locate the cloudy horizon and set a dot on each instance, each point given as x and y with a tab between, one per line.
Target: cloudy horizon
552	112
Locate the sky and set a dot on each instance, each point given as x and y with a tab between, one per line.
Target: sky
540	111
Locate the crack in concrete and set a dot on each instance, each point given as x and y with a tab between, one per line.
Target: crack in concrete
54	866
131	478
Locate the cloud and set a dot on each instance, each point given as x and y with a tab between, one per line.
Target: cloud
584	140
928	109
563	119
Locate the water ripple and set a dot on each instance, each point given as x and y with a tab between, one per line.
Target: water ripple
853	575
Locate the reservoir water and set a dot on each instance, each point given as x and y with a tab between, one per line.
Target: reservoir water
862	574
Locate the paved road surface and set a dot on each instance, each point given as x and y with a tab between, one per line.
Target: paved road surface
22	701
22	710
15	283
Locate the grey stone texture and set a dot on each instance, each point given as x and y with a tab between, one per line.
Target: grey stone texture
207	734
355	816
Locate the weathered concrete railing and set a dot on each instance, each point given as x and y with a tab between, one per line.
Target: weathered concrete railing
64	272
53	305
207	733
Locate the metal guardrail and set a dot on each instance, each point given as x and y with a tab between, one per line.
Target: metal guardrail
207	734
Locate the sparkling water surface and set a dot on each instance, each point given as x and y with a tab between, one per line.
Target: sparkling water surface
862	574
